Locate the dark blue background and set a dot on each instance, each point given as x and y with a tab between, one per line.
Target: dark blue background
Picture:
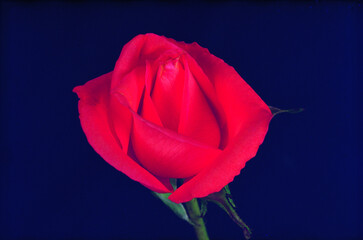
306	180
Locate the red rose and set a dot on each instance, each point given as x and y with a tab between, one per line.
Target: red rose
173	110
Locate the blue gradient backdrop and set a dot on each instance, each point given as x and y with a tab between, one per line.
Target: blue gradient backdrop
306	180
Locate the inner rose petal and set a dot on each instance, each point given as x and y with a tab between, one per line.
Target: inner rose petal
131	86
197	119
167	93
147	109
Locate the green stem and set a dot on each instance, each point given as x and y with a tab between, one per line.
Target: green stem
198	222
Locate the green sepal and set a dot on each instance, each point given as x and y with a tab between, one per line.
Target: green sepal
203	207
177	208
224	200
276	111
229	196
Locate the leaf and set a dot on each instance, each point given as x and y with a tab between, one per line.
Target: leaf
177	208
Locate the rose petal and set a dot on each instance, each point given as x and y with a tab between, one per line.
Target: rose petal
128	60
120	121
208	90
206	87
156	46
167	93
235	95
247	118
197	120
148	110
228	164
168	154
131	86
93	109
141	48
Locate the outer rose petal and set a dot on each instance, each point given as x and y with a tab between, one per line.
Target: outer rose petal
227	165
247	119
93	110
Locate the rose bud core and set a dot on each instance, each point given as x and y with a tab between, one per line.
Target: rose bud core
173	110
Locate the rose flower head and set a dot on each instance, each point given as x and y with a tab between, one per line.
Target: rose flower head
172	110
